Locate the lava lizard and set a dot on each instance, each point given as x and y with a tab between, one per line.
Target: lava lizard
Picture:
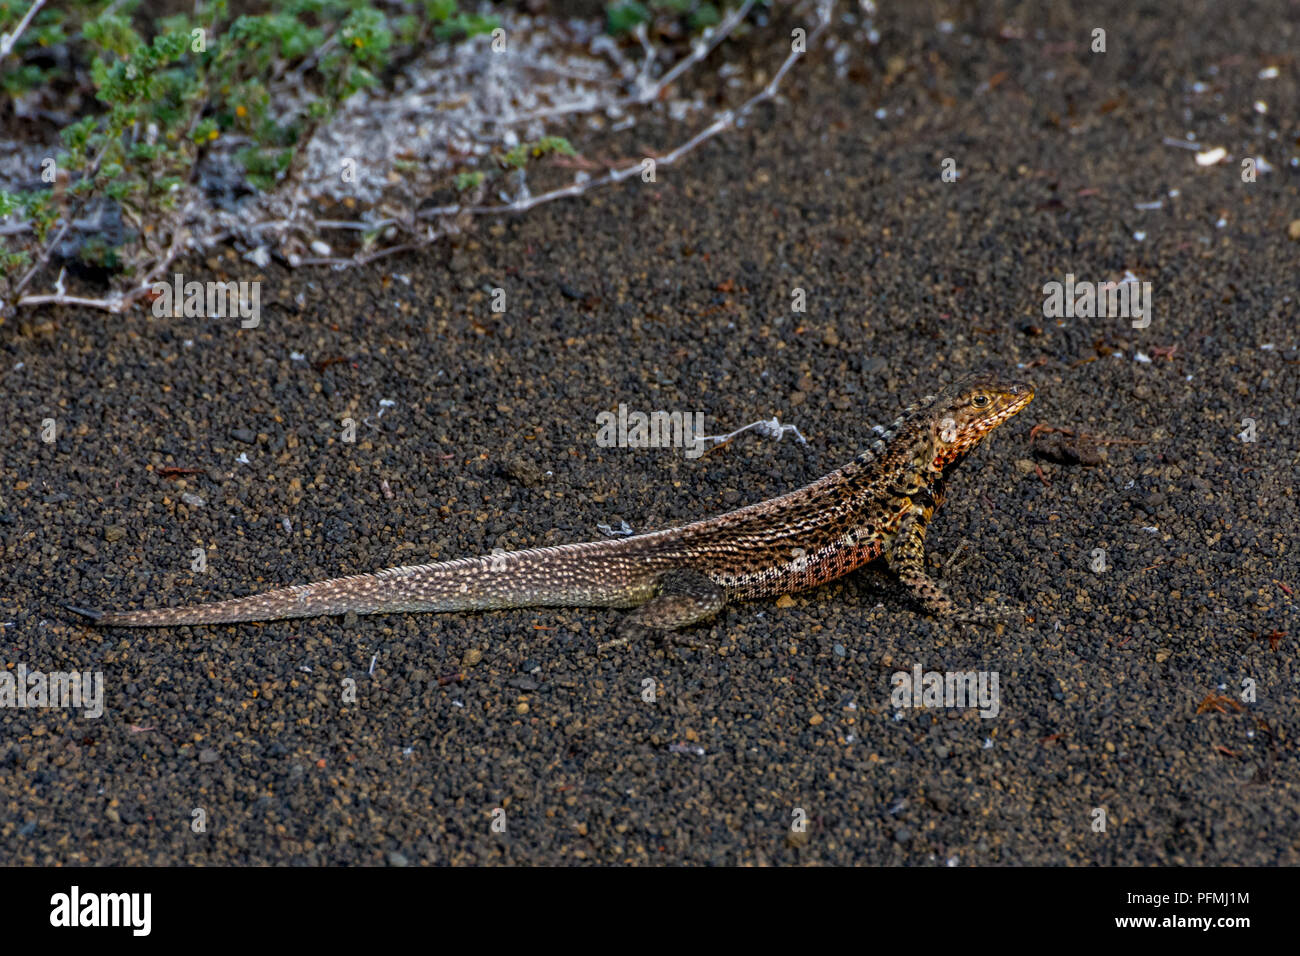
877	504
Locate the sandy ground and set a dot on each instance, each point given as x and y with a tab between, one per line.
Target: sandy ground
1121	689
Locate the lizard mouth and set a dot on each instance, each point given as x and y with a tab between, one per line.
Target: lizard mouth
1015	397
1021	395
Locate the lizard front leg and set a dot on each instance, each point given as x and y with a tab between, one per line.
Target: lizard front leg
906	557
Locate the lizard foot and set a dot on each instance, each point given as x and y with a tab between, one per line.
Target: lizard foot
630	632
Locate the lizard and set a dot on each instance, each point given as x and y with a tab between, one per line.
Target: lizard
879	504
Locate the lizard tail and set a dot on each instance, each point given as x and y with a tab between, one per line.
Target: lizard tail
576	575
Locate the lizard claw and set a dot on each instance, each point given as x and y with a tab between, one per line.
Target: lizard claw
628	631
981	614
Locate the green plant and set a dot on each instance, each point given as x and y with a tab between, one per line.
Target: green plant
164	91
518	157
162	100
623	16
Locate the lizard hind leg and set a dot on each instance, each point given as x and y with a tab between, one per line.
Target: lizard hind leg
683	597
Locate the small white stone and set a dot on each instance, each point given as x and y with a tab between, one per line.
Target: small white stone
1210	157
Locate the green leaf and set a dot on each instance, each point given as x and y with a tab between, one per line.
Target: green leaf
463	25
112	34
440	10
623	16
705	15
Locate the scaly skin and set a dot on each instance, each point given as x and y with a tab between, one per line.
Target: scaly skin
877	504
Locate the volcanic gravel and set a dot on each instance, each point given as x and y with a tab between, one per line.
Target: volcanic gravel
400	739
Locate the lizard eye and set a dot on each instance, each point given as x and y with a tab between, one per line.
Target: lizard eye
981	400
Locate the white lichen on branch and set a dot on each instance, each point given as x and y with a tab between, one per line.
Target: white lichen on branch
370	172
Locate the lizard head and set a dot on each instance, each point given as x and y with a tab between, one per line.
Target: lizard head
963	413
